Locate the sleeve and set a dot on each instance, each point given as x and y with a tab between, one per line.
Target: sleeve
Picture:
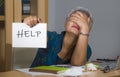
89	52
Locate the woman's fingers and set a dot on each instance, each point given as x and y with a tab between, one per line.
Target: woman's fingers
39	20
32	21
79	18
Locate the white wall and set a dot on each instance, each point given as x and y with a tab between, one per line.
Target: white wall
104	37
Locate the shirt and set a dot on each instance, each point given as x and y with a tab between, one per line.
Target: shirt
48	56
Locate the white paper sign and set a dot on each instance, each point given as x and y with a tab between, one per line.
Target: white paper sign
25	36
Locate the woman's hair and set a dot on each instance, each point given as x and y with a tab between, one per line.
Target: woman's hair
83	10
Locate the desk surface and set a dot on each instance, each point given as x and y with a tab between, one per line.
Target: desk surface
93	74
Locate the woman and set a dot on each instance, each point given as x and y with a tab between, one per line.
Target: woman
69	47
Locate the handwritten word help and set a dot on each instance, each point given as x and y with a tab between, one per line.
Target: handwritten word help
27	33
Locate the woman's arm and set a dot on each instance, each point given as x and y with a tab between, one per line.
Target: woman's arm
79	55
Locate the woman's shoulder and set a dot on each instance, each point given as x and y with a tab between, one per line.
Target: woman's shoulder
54	33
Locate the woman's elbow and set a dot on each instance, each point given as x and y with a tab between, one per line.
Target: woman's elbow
77	63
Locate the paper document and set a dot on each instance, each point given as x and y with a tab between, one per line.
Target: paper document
27	37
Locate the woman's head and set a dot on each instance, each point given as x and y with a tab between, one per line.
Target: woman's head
83	10
72	26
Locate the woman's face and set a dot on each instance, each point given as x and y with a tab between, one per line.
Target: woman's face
71	26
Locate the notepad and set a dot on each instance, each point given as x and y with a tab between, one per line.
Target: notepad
48	69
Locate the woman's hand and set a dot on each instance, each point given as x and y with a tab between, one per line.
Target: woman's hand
31	20
68	44
82	20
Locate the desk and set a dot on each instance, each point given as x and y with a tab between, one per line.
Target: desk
93	74
20	74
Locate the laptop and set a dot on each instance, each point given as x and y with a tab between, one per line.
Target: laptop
107	65
118	64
